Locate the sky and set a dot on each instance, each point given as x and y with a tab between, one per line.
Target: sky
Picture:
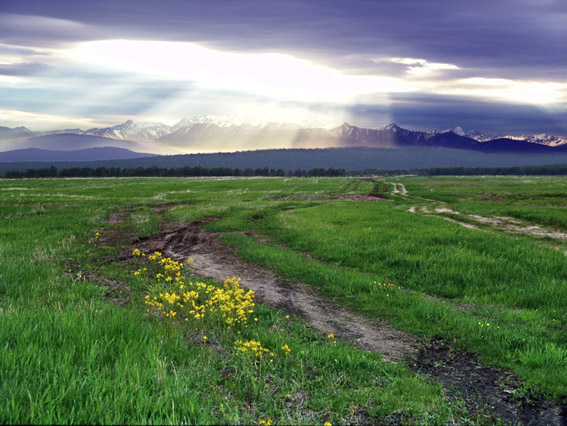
492	65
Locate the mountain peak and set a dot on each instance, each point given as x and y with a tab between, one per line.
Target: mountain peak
391	126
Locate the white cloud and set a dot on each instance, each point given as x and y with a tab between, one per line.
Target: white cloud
42	121
421	67
276	75
517	91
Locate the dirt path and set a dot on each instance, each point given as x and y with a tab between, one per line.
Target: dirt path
212	259
398	189
506	224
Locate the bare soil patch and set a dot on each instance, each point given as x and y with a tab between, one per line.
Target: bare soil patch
117	217
361	197
399	189
375	195
506	224
514	225
115	291
496	393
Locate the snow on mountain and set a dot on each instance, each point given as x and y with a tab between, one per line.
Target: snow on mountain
473	134
542	138
229	133
546	139
132	130
217	120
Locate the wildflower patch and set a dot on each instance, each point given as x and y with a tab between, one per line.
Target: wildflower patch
172	294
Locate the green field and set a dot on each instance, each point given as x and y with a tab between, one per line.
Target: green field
80	343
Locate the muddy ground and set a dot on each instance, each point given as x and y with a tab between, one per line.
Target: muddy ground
492	394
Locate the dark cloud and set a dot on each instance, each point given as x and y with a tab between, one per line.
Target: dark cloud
513	38
22	69
427	112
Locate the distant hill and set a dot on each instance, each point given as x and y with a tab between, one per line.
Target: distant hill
89	154
18	133
348	158
517	146
69	142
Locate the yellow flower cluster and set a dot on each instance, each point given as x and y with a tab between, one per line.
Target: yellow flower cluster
233	302
286	349
253	347
197	300
139	271
386	285
487	324
97	235
170	266
156	255
332	340
266	422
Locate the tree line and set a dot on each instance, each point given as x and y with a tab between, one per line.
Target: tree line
186	171
545	170
154	171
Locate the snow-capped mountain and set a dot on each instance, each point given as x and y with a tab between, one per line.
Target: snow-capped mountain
132	130
217	120
473	134
393	136
542	138
226	133
545	139
203	133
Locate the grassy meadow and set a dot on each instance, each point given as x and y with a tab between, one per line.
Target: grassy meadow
92	332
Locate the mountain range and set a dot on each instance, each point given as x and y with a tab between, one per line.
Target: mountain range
213	134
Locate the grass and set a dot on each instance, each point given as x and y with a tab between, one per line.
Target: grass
512	283
538	200
71	355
